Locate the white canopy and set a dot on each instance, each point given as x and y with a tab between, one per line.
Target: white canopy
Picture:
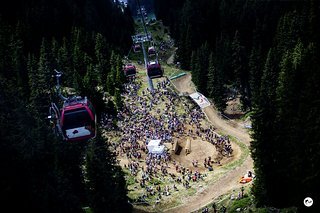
158	150
152	144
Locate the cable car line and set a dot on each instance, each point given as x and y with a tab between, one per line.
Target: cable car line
153	67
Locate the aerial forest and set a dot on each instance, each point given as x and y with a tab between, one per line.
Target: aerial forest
265	52
85	40
268	52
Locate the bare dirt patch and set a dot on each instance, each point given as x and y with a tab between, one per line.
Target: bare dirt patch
230	180
184	173
233	109
184	84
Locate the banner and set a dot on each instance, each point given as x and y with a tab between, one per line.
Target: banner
200	99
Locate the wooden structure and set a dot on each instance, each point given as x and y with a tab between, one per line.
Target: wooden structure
175	146
188	146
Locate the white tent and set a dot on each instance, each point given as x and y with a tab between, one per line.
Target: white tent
152	144
158	150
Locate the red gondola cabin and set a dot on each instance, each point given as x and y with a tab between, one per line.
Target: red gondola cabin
154	70
151	51
136	48
130	70
78	119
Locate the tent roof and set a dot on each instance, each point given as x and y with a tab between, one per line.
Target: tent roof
154	142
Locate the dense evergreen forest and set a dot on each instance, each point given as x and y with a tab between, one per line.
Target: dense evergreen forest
269	52
84	40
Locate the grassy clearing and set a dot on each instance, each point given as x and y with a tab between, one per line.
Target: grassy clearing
158	31
171	71
130	180
177	197
245	204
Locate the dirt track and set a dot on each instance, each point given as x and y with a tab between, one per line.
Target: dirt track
230	180
184	84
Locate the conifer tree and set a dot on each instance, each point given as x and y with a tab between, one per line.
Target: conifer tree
110	85
203	58
195	69
264	144
17	60
215	86
53	55
39	80
65	64
240	70
255	73
118	99
120	77
101	57
184	50
106	184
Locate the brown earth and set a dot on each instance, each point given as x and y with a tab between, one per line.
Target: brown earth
201	149
231	179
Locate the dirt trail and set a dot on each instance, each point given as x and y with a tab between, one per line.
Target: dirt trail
230	180
184	84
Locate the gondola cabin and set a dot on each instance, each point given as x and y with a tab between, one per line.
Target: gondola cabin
154	70
78	119
130	70
151	51
136	48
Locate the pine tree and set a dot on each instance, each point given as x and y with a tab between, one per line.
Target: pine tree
18	65
240	70
101	57
39	80
120	76
203	58
65	65
105	179
110	85
118	99
289	136
307	158
264	144
255	73
215	86
79	58
53	55
184	51
195	68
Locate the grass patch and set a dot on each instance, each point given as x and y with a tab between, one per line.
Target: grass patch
130	180
246	204
87	210
155	181
245	116
171	71
167	204
242	203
